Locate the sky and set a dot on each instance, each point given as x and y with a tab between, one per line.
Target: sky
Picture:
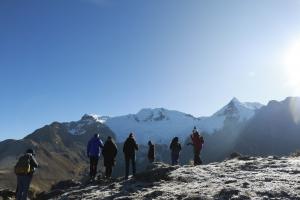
60	59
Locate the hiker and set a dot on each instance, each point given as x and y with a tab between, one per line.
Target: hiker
109	153
129	149
175	147
24	170
197	142
151	154
93	152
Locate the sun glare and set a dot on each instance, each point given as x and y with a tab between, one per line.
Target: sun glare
295	110
292	67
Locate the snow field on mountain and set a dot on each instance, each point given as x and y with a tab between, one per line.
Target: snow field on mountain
161	125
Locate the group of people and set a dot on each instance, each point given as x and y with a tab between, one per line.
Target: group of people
109	152
197	142
27	163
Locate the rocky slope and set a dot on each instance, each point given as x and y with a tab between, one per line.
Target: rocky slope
237	178
274	130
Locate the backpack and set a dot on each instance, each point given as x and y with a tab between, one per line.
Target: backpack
23	165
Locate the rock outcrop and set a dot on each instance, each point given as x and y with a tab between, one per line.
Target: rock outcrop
237	178
6	194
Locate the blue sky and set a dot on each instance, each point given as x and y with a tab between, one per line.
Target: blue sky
60	59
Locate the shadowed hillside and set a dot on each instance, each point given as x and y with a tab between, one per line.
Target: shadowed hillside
274	130
61	155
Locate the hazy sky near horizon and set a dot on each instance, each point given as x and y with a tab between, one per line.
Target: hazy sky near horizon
60	59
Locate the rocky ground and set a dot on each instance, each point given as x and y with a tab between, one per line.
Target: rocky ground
237	178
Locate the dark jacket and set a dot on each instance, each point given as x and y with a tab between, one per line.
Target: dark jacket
130	147
93	147
151	151
175	147
109	153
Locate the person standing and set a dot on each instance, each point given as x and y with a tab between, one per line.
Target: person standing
129	148
109	153
24	170
197	142
151	152
93	152
175	148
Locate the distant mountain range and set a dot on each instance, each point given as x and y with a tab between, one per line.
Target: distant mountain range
274	129
161	125
249	128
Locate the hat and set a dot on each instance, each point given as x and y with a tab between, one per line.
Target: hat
31	151
195	129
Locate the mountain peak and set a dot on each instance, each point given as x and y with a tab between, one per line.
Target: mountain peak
235	100
151	114
148	110
237	109
78	127
292	99
92	117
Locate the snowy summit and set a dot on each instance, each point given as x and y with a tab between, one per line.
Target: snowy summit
161	124
80	127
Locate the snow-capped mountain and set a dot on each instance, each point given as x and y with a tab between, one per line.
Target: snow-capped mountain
234	109
160	125
237	109
80	127
157	124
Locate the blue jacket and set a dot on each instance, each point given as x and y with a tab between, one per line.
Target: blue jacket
94	146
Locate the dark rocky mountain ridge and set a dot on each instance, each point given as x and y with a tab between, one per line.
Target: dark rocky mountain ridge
60	154
274	130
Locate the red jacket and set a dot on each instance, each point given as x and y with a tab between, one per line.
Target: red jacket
197	141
